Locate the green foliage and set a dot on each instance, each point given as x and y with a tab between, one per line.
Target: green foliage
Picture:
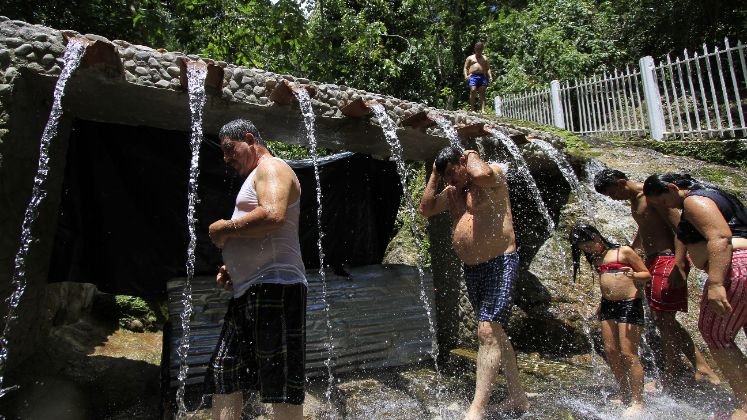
110	18
129	308
659	27
416	181
293	151
548	40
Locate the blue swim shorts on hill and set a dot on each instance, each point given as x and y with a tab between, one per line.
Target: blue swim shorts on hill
477	79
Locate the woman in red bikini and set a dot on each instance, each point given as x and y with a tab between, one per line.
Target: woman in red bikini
621	272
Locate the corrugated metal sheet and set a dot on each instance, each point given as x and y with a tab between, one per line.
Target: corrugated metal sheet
377	318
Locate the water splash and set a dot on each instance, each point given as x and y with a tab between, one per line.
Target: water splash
450	131
390	133
567	171
196	74
563	165
304	102
523	171
607	209
71	58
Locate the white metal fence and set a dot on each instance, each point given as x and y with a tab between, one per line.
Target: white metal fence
697	96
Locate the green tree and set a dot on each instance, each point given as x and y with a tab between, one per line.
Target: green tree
659	27
110	18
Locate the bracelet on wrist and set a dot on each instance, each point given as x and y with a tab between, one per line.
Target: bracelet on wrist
234	225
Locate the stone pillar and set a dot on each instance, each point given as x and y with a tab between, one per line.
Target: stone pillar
31	100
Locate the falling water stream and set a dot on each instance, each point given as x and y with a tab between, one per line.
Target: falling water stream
304	102
451	133
523	170
570	176
196	73
390	133
71	58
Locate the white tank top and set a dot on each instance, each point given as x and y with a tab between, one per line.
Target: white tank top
276	258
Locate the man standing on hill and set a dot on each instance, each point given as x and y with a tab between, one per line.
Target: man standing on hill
667	291
262	345
477	74
483	238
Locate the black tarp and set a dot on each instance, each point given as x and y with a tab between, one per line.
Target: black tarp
123	215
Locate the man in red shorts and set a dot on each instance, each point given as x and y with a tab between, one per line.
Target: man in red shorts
667	291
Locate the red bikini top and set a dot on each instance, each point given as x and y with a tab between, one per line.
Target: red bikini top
614	267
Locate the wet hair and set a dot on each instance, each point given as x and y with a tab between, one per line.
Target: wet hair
656	184
607	178
582	233
236	129
448	154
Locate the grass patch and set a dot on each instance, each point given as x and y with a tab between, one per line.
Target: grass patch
576	146
130	308
719	176
724	152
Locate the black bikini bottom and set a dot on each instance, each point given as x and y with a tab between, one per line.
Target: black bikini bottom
628	311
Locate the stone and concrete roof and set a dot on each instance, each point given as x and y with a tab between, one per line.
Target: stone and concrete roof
119	82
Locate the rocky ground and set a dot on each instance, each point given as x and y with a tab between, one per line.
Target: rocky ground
89	370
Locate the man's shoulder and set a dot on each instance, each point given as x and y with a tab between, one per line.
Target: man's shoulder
274	167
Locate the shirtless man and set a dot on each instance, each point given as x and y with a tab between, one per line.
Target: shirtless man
483	238
667	291
477	74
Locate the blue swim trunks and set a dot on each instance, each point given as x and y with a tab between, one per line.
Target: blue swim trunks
490	287
478	80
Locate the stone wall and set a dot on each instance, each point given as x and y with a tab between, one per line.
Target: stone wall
109	68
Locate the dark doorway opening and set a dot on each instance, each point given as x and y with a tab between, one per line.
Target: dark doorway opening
123	215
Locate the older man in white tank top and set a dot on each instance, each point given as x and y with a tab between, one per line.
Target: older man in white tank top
262	344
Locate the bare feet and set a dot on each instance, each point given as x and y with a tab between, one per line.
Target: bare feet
474	414
634	411
651	387
506	407
703	376
619	398
515	407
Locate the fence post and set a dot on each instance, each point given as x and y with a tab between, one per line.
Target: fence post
557	107
498	106
652	97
